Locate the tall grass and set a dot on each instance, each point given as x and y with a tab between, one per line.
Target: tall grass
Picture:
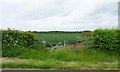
62	58
38	52
66	54
83	54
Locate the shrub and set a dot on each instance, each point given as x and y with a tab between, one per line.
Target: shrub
106	40
14	41
16	37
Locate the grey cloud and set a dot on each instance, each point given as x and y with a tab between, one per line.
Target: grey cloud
32	11
111	7
59	15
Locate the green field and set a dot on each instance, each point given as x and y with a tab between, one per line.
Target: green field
59	37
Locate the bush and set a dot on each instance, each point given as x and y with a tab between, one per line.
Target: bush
16	37
14	41
106	40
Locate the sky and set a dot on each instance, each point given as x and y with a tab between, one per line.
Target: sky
58	15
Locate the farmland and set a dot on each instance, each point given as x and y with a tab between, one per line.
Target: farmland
57	37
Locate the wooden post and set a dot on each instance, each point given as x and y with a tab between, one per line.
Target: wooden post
44	42
59	43
64	43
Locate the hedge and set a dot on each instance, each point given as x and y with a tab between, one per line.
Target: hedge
16	37
106	40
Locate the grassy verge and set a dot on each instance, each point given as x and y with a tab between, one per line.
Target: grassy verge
62	58
55	64
66	54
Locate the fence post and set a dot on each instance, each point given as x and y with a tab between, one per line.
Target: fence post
64	43
44	42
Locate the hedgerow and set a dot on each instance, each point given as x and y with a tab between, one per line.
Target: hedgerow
106	40
13	42
16	37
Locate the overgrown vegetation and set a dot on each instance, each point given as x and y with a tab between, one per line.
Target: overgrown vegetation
63	59
13	42
16	37
106	40
63	54
96	55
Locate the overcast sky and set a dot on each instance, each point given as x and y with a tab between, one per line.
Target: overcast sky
60	15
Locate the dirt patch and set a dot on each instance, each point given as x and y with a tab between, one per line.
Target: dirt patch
108	62
77	46
6	59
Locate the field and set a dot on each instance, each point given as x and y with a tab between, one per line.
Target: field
59	37
40	57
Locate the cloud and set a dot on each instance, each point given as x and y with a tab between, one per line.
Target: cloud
44	15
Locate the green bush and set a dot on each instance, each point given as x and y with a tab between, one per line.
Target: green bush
106	40
16	37
14	41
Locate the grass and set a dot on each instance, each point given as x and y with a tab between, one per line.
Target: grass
66	54
58	64
63	58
